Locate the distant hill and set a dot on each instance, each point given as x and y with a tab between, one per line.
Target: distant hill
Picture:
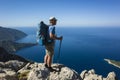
12	47
8	36
11	34
5	56
113	62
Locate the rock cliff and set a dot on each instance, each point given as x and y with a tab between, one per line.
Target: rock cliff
13	67
17	70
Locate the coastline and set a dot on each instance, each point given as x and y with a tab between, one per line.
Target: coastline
113	62
20	69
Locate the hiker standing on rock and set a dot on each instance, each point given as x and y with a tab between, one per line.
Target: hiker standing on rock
50	47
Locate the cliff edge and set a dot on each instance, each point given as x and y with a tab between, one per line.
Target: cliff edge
17	68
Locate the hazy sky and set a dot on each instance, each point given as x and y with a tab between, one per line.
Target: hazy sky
68	12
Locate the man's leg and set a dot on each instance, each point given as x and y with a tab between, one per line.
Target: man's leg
50	52
49	61
45	59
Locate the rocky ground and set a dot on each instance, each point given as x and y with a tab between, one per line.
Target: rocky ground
18	70
14	67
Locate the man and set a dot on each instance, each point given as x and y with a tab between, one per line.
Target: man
50	47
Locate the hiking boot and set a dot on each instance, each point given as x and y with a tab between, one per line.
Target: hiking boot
46	65
50	69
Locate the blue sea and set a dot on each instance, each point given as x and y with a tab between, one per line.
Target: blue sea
83	48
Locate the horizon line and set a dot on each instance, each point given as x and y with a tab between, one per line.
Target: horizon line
62	26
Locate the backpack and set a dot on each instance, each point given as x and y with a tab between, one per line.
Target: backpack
42	33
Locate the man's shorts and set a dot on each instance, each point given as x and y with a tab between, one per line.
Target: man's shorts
49	48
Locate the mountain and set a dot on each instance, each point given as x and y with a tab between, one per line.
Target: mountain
12	47
11	34
8	36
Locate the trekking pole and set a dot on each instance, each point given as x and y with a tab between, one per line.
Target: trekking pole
58	57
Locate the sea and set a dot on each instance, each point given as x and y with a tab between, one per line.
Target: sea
83	48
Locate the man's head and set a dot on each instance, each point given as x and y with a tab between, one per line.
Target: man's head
53	20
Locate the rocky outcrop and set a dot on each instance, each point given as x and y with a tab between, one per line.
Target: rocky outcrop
90	75
8	70
8	74
11	34
18	70
37	71
111	76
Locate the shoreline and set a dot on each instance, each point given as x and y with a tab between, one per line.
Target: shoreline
112	63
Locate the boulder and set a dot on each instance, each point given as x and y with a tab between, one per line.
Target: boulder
8	74
83	74
111	76
37	71
14	64
17	70
91	75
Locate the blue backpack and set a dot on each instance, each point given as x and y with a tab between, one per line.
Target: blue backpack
42	33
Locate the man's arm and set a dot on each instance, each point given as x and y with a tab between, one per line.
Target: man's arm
52	36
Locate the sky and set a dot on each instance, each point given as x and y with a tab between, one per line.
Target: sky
68	12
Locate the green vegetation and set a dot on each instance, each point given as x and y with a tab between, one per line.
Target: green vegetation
23	76
113	62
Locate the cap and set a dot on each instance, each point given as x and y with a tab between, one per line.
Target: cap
52	18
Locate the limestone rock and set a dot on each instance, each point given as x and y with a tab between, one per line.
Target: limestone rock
8	74
91	75
2	64
39	74
37	71
92	71
14	64
17	70
111	76
83	74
